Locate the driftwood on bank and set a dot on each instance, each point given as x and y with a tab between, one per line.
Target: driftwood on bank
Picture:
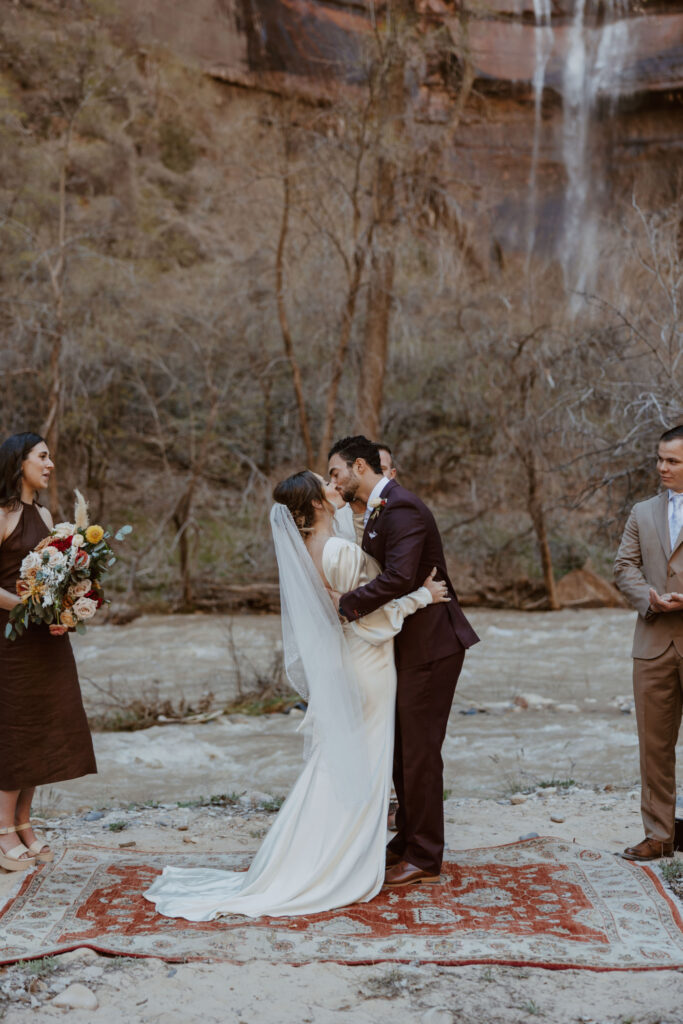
249	597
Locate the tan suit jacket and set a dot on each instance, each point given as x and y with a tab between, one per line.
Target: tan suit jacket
645	559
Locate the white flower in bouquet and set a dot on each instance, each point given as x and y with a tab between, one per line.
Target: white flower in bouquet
33	560
63	530
53	557
84	608
78	540
79	589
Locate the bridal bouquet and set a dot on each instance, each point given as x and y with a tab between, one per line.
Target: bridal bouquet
59	581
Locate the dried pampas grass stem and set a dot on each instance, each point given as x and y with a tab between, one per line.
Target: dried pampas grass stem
80	511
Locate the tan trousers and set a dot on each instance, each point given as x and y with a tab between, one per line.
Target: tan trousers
658	693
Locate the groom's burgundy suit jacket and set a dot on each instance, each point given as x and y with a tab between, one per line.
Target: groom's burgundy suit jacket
403	537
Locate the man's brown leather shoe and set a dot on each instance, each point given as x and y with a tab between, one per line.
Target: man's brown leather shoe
404	873
649	849
392	858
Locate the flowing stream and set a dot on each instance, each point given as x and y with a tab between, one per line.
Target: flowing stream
570	672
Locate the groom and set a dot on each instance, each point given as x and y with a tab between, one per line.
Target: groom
400	533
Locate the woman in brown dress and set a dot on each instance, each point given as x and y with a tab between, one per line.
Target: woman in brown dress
44	735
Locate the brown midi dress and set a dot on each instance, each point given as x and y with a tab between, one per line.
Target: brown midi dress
44	734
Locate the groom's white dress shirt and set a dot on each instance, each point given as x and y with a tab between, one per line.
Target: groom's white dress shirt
375	493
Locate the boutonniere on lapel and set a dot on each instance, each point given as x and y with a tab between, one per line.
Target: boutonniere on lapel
375	505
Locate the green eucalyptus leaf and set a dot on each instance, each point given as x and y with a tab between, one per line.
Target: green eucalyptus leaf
81	628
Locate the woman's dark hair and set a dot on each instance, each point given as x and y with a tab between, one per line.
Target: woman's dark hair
357	447
298	492
13	451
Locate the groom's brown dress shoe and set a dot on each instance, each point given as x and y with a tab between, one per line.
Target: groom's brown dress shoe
404	873
649	849
392	858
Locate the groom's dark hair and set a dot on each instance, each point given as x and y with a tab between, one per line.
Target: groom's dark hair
675	434
357	447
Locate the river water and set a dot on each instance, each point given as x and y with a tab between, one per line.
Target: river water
579	660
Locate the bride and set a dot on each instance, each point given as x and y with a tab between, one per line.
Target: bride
327	846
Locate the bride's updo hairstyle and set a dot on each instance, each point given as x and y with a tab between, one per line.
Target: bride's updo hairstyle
298	492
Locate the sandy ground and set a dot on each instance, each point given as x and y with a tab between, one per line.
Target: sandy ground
497	751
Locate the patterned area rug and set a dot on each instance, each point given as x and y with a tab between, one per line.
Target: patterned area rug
541	902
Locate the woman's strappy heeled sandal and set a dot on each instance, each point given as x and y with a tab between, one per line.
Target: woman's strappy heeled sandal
38	849
13	860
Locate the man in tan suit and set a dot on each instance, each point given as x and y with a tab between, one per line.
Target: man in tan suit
649	572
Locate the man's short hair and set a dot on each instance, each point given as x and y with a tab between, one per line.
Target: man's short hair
675	434
357	447
385	448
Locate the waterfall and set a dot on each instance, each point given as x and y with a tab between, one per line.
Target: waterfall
543	47
596	53
593	73
578	236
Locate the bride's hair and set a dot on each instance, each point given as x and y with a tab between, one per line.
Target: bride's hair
298	492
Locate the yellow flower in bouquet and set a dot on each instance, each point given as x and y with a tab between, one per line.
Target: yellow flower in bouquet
94	534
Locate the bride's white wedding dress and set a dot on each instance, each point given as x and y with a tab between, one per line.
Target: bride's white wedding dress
323	850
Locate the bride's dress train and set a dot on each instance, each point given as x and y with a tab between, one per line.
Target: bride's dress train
323	850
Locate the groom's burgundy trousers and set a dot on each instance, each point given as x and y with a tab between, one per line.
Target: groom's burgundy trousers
424	695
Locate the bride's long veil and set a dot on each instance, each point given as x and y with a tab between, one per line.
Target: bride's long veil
318	664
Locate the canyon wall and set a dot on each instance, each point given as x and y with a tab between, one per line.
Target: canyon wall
571	105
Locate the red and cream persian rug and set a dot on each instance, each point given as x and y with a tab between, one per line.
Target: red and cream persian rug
540	902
